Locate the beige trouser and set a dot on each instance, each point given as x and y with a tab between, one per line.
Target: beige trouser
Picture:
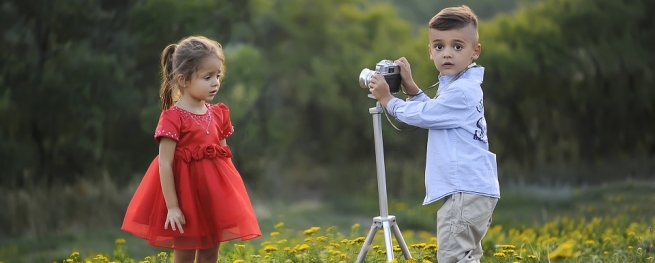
462	222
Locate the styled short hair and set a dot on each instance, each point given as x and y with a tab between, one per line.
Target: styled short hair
454	18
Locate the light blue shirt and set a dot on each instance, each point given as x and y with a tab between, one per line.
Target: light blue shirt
458	156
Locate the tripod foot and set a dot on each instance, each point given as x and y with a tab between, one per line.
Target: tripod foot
388	225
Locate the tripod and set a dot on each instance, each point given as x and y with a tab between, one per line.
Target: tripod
385	221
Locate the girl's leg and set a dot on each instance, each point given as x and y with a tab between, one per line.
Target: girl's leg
184	256
209	255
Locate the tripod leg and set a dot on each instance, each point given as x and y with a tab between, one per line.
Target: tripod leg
367	243
387	240
401	241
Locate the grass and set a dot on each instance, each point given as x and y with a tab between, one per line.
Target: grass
536	221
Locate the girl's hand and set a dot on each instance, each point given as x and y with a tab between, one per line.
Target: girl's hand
175	218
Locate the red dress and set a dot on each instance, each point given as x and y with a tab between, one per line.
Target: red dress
210	191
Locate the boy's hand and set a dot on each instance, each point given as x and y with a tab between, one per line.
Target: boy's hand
406	75
380	89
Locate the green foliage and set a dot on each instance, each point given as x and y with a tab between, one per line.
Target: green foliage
564	78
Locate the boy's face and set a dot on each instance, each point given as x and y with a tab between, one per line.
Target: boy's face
453	50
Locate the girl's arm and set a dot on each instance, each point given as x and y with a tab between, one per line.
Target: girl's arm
223	142
166	152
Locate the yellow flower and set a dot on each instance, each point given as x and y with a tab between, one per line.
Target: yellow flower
279	225
499	254
161	254
274	234
411	260
354	227
238	261
120	241
239	246
270	249
565	250
75	254
309	239
532	256
282	241
311	231
70	260
302	247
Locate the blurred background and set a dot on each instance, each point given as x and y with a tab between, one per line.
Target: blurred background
569	94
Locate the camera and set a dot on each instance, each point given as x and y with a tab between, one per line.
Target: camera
388	69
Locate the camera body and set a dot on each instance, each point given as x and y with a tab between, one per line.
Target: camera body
388	69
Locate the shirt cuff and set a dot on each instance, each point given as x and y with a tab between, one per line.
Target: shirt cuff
392	105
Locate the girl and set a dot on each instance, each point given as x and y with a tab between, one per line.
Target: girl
192	197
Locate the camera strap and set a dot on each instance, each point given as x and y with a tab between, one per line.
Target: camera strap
472	65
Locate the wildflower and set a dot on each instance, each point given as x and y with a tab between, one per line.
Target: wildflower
70	260
309	239
274	234
238	261
161	255
396	248
563	251
411	260
532	256
120	241
302	247
426	261
75	254
311	231
419	245
518	257
354	227
282	241
270	249
279	225
359	240
239	246
499	254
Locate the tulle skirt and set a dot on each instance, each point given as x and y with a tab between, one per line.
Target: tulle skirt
211	195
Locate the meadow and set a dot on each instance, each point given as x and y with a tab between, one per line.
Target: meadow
610	223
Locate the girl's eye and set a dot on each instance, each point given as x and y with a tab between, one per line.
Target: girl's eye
208	77
218	76
438	46
459	47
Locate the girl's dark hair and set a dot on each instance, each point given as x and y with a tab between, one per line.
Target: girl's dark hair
454	18
183	59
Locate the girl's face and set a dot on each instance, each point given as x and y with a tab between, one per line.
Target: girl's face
204	84
453	50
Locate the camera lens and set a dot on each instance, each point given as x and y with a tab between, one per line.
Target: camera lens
365	77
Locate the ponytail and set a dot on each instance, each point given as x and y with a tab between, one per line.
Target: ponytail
167	81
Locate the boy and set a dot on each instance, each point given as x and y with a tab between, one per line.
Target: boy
459	168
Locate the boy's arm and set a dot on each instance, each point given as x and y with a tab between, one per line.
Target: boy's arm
445	112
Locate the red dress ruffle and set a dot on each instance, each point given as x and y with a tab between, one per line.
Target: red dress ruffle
209	189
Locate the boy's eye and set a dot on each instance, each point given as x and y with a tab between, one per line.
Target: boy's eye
438	46
459	47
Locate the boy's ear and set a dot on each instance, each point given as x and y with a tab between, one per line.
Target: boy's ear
430	51
476	52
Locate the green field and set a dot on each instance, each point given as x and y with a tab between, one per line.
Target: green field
601	224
